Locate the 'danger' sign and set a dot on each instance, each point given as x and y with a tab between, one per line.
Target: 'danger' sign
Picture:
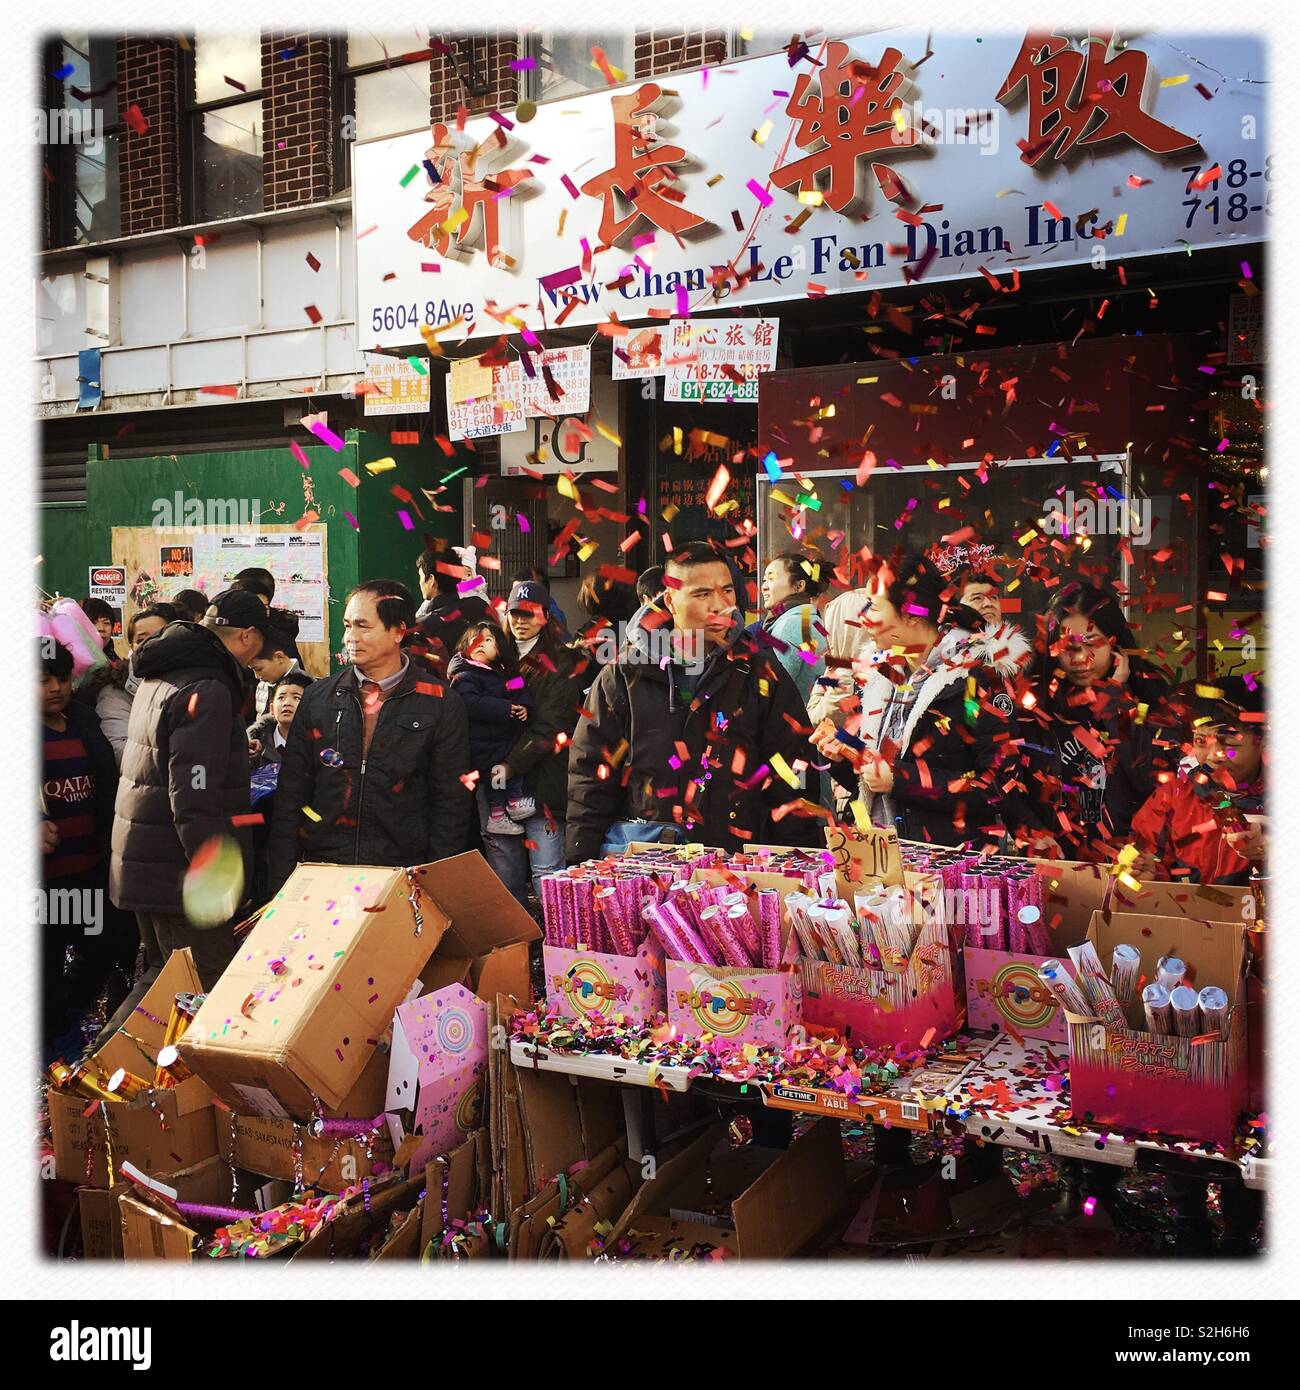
877	163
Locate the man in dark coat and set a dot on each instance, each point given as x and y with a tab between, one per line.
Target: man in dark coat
377	754
700	684
446	612
184	777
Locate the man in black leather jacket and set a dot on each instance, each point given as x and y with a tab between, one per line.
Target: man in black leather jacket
373	770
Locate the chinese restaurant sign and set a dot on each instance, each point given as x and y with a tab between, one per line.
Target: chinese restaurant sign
872	162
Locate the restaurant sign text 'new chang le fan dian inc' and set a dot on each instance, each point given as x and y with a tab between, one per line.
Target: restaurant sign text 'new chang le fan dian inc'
874	161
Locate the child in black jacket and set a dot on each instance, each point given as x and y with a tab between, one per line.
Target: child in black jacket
484	673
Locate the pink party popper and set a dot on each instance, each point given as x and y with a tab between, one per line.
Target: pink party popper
769	926
1017	929
971	906
746	926
584	908
727	927
665	931
687	933
709	917
616	925
551	910
568	914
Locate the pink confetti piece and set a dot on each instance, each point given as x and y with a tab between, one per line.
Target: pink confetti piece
1246	271
326	436
568	183
560	278
296	450
405	518
353	520
349	477
503	121
523	522
522	64
431	267
683	302
759	192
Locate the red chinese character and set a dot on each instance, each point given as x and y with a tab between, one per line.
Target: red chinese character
641	170
1084	98
850	114
763	333
450	165
736	335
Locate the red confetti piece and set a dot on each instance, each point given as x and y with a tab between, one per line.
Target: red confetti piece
349	477
1052	210
313	313
136	119
219	390
254	818
312	261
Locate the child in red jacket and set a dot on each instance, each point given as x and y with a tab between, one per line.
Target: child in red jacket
1205	824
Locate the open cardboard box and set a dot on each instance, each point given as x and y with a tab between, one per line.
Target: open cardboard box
159	1131
1003	991
101	1223
916	1006
582	983
438	1070
1134	1080
288	1150
152	1228
298	1013
772	1202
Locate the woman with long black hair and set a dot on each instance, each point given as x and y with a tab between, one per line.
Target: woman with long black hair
935	747
1093	741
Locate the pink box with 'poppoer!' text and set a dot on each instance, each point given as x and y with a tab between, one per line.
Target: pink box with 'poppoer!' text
580	984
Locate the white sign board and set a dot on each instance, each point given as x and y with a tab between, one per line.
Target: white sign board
402	389
108	583
560	444
296	559
886	163
720	352
499	410
569	370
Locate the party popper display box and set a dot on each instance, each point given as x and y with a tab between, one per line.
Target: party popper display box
159	1128
1012	917
437	1071
1124	1074
880	970
299	1011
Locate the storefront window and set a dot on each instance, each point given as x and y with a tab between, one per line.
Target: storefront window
565	66
224	127
81	140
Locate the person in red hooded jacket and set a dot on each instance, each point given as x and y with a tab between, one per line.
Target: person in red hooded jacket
1205	823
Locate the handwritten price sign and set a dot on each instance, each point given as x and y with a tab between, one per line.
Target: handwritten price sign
868	858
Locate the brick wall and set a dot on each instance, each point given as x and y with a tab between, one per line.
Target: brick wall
149	165
297	119
668	50
492	55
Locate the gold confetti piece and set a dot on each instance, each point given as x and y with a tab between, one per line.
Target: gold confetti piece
860	817
811	197
588	550
714	181
759	137
608	434
1173	81
564	486
381	465
900	120
307	811
1121	224
454	221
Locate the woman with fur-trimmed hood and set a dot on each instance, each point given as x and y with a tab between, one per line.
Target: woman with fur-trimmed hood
936	746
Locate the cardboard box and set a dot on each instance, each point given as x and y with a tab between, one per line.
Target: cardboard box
297	1014
741	1004
773	1202
286	1150
917	1006
161	1130
581	983
153	1230
437	1070
1003	991
1137	1081
464	1178
101	1223
438	1095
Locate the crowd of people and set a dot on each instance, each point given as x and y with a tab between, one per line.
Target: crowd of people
909	699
